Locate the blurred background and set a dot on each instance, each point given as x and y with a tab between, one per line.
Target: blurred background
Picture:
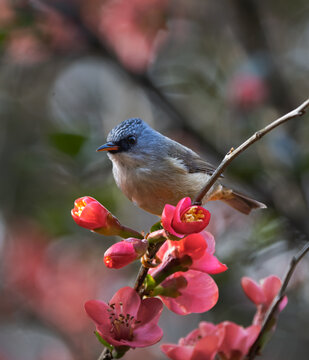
205	73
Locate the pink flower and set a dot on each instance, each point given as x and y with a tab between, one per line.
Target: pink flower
124	252
132	29
200	247
184	218
237	340
198	292
127	320
226	340
92	215
263	294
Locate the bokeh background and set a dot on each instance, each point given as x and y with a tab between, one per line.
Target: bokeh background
205	73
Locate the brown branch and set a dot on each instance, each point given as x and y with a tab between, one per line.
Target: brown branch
273	310
143	271
232	154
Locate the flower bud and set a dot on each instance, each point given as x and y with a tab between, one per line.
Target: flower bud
124	252
92	215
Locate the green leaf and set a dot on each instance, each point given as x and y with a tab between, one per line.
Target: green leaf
156	226
67	143
104	342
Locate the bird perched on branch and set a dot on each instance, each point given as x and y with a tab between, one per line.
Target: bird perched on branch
153	170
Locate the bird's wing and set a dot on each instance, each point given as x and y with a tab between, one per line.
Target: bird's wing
191	160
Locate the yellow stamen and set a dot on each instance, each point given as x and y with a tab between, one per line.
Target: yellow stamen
79	207
108	260
194	214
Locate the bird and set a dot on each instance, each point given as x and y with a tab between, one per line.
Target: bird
153	170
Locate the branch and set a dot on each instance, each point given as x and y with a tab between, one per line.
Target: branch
143	271
232	154
257	345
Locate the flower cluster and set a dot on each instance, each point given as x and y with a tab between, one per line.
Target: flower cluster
180	277
178	257
227	340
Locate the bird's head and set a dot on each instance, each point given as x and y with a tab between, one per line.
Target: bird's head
132	138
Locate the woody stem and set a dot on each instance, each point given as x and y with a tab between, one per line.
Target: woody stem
233	153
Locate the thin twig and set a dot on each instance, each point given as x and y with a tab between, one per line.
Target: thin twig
233	153
273	310
143	271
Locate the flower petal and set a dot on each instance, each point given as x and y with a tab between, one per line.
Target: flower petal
192	226
98	311
167	218
209	264
146	335
270	286
206	348
238	338
200	295
210	240
283	303
149	311
253	291
182	205
126	301
193	245
176	352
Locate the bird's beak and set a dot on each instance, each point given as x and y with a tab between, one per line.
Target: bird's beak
110	146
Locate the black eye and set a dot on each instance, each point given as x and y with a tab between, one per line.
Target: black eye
131	140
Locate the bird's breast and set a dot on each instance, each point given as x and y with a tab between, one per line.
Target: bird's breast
151	190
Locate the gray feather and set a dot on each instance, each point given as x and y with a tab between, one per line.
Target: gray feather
191	160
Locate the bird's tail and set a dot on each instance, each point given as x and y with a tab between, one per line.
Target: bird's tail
236	200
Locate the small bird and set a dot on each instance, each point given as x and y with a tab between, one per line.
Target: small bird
153	170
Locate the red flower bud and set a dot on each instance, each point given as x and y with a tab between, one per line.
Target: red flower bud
184	218
92	215
124	252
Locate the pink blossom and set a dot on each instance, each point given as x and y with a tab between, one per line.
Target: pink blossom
263	294
132	29
226	340
124	252
127	320
198	292
184	218
200	247
237	340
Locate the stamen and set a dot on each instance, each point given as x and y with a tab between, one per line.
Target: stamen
80	206
193	214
